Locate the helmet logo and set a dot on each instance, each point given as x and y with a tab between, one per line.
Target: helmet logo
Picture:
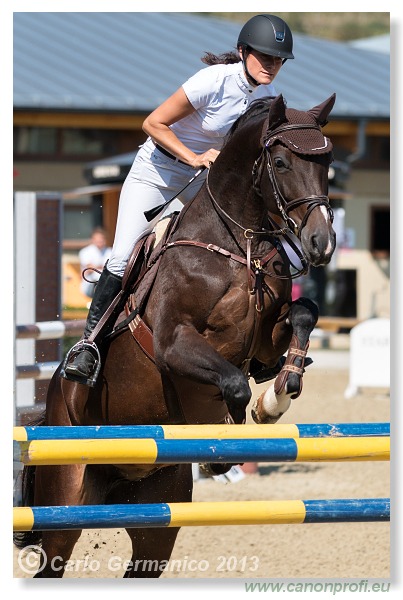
280	36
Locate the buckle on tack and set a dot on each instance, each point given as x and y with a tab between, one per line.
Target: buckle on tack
76	349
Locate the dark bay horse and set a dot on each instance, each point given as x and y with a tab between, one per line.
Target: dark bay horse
220	311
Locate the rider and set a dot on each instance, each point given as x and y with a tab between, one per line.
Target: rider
186	132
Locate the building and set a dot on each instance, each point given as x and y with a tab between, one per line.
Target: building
83	83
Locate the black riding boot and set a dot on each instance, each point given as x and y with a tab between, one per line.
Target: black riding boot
83	361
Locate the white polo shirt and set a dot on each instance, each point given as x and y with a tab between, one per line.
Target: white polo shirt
220	94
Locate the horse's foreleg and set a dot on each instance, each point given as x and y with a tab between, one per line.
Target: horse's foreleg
188	354
273	403
152	547
303	318
57	485
57	547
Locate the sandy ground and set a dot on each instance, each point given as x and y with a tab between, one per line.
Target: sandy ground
344	550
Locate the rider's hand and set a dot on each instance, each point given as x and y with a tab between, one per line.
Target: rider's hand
205	159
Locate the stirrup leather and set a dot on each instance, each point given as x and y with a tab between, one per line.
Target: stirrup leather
80	346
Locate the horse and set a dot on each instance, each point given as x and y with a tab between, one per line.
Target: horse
216	310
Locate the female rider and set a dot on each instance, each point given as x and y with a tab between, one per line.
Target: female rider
185	132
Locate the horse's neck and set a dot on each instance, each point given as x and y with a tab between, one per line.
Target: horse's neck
231	180
201	221
237	203
227	202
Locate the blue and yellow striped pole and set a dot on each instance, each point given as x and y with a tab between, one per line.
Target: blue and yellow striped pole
201	514
150	451
161	432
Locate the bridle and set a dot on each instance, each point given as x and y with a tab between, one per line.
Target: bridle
284	207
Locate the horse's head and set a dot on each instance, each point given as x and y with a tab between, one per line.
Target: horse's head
297	156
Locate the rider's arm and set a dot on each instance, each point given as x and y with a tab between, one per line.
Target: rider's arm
156	125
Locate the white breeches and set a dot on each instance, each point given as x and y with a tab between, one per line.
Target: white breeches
153	178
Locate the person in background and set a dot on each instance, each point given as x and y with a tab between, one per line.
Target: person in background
185	133
93	256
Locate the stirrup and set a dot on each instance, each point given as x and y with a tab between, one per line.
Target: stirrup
76	349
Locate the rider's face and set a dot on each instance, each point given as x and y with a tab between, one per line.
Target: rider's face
263	67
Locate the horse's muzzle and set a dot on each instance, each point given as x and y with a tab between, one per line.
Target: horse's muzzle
318	246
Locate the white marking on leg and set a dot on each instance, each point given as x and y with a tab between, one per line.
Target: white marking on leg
273	405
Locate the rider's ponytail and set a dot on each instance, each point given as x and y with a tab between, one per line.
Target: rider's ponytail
222	59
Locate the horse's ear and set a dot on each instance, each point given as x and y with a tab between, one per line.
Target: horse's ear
277	112
322	111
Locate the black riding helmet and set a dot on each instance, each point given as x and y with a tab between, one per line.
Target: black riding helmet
267	34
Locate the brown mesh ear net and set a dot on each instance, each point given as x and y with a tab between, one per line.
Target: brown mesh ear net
302	141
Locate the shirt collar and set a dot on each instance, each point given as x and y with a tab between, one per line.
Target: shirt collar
243	82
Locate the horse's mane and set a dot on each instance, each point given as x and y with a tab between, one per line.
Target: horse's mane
256	108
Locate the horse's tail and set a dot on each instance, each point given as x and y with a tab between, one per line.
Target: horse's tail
22	539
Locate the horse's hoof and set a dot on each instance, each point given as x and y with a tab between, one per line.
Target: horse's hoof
212	469
266	421
254	413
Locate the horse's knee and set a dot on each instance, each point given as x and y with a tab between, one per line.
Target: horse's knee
235	388
236	393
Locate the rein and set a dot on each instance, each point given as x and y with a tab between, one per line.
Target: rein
249	235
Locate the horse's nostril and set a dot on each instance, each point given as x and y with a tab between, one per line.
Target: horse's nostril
316	244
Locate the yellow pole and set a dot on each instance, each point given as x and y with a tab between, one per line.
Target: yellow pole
343	449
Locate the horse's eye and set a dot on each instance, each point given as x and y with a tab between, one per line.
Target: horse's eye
279	162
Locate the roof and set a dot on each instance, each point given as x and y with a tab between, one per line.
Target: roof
378	43
131	62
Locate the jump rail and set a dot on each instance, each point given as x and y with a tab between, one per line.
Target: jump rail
44	330
149	451
319	430
49	330
201	514
186	444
